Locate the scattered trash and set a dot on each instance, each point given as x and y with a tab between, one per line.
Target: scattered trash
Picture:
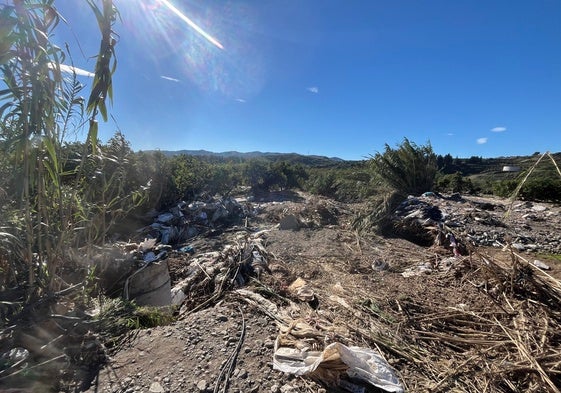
187	249
177	296
165	218
207	274
15	355
301	290
184	221
454	245
147	244
423	220
150	285
361	363
539	264
539	208
424	268
380	265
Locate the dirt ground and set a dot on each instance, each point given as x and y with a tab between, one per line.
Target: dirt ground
417	306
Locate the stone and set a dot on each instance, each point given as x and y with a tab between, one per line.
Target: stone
202	385
155	387
289	223
287	389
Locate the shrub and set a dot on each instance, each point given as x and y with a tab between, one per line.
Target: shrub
408	169
548	190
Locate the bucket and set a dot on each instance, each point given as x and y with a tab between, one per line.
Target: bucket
150	285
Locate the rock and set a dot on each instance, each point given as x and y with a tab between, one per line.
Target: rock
156	388
275	388
287	389
202	385
289	223
539	208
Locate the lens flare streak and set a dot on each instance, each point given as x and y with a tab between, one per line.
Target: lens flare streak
192	24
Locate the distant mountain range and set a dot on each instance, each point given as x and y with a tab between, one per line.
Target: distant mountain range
311	160
466	166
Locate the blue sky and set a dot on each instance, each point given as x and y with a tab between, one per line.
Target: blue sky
334	78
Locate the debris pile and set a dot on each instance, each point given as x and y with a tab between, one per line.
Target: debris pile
423	220
185	221
209	275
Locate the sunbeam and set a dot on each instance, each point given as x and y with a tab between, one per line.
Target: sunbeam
192	24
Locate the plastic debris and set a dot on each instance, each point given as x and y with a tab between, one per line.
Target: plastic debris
362	364
454	245
177	296
183	221
165	218
300	289
15	355
187	249
147	244
150	257
380	265
539	264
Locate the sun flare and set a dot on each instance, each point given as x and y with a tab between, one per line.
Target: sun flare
192	24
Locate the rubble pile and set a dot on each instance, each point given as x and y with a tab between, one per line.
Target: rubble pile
423	219
185	221
313	213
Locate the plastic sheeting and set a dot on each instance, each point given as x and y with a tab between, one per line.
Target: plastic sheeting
363	364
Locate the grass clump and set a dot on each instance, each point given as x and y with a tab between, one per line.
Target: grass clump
117	317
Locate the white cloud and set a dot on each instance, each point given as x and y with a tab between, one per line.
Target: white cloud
498	129
169	78
70	69
241	100
313	89
450	134
482	141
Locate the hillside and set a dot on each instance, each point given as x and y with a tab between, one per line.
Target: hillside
294	158
493	167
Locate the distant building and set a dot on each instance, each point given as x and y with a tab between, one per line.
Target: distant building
508	168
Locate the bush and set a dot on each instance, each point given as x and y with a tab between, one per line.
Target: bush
408	169
505	188
547	190
454	183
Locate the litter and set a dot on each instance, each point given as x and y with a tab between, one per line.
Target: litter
301	290
165	218
539	264
187	249
357	362
147	244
